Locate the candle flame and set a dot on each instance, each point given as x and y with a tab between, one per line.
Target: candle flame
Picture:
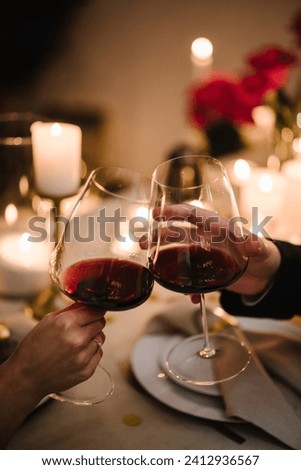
23	185
242	169
56	130
24	242
187	176
124	247
142	212
11	214
202	49
266	183
197	203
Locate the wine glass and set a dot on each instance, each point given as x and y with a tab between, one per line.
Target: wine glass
98	259
195	247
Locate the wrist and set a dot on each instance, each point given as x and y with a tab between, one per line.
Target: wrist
251	300
17	380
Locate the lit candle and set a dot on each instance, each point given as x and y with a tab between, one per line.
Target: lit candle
297	147
241	171
290	222
124	246
264	190
264	118
56	149
23	265
133	228
11	214
201	58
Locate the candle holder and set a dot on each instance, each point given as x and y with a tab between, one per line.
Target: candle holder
23	263
50	298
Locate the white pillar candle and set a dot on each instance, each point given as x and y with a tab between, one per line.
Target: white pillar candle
56	149
201	58
290	221
23	265
264	118
263	190
239	171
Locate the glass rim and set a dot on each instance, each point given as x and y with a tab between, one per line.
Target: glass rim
140	176
183	157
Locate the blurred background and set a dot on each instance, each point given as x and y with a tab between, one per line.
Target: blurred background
121	68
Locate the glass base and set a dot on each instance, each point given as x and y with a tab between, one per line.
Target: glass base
184	362
96	389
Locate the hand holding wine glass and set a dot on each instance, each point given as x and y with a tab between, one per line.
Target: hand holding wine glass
56	354
98	260
264	262
196	246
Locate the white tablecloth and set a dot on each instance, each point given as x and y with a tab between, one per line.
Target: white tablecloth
109	425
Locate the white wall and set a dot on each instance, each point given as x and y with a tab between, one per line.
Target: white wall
131	60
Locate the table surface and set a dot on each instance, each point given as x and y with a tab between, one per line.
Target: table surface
109	425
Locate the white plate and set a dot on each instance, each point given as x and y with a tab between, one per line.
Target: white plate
146	368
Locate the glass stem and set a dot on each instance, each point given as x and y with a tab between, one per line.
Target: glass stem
56	217
207	350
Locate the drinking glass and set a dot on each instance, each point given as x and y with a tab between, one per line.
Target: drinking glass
196	246
98	259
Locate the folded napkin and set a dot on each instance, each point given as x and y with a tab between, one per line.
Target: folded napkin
280	354
255	396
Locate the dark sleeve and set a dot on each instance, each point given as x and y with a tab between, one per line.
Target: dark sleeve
284	298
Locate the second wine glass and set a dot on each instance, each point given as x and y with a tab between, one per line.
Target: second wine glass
196	247
98	259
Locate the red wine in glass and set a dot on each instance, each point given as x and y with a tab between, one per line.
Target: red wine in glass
108	283
192	269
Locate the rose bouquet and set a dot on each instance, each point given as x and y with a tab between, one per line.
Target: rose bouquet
224	103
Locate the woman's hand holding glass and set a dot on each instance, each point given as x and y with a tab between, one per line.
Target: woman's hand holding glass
63	349
65	343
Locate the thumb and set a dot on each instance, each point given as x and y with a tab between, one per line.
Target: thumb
255	247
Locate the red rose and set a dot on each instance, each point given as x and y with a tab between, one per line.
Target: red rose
233	98
210	101
274	64
222	98
246	98
270	58
255	85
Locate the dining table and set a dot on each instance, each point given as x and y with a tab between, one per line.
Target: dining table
147	409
